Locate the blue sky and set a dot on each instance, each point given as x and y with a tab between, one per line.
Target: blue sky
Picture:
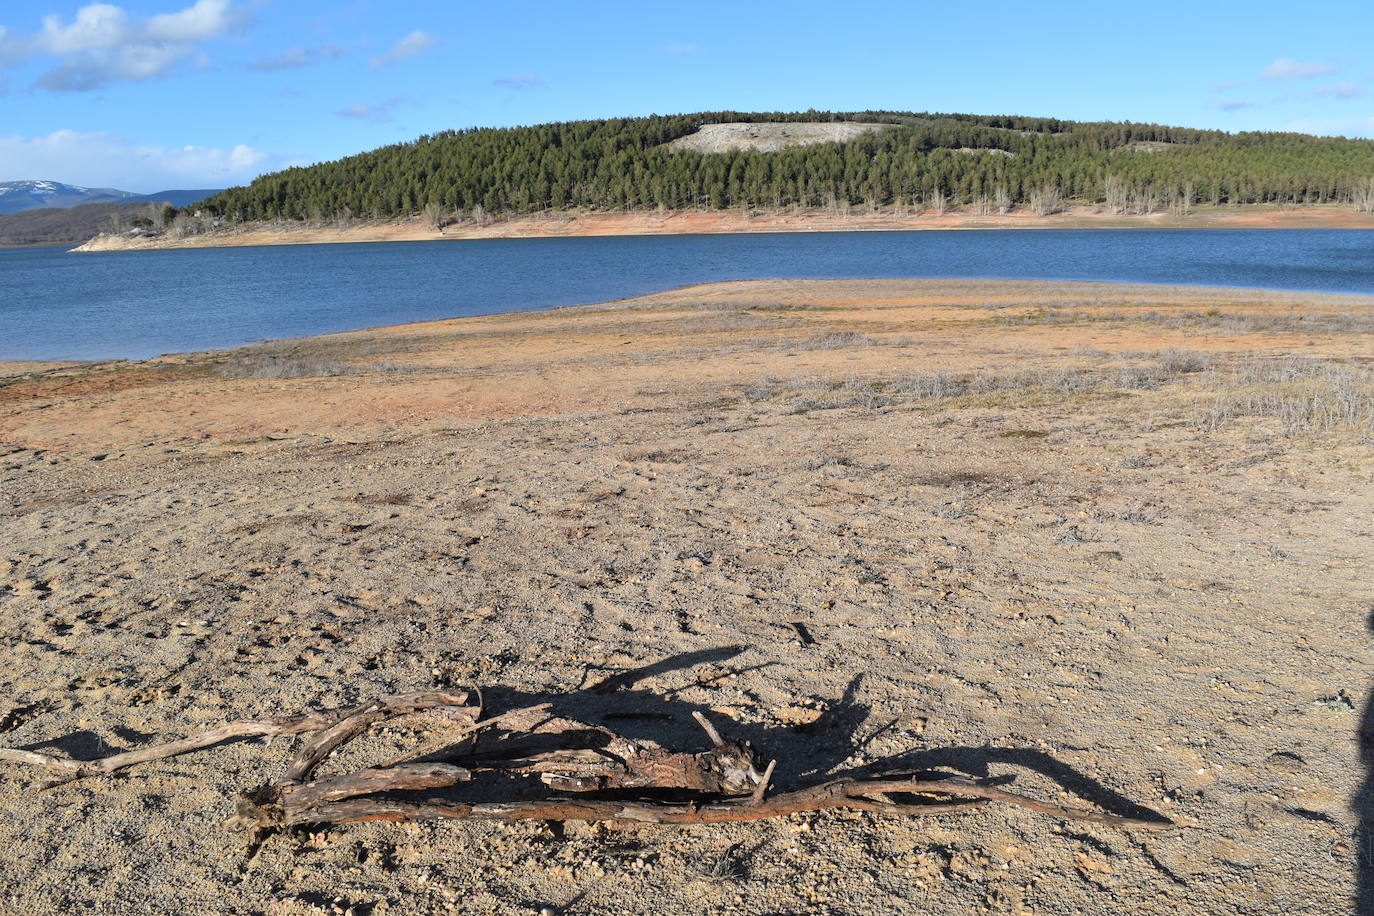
148	95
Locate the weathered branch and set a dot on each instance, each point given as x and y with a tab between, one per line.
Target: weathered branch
68	770
358	721
39	760
407	776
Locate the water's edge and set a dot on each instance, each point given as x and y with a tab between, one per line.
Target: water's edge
139	304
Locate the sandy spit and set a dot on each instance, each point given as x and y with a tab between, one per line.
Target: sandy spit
1055	533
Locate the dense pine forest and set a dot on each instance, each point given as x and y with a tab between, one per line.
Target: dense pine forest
921	160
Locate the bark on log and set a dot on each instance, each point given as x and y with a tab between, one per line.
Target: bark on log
727	769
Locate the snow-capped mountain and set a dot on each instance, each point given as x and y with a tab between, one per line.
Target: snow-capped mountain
17	196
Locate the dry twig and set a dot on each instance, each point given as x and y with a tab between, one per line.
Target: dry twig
68	770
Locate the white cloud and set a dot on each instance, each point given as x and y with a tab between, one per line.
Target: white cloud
1288	69
103	44
1341	91
109	160
417	42
296	58
97	27
205	20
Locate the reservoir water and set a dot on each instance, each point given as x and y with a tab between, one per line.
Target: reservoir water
58	305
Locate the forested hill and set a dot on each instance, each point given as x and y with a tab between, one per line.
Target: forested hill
986	162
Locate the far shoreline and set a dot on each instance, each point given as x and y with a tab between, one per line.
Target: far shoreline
729	222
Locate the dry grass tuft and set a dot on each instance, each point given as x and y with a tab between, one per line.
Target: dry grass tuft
1233	322
835	340
805	394
1304	395
295	359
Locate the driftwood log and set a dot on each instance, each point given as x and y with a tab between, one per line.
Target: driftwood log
597	775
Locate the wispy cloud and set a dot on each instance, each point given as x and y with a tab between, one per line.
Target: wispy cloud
1234	105
1286	68
417	42
109	160
1333	127
1341	91
682	47
104	44
296	58
519	82
12	48
377	112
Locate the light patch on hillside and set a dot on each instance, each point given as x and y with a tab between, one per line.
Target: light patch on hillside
770	136
1151	146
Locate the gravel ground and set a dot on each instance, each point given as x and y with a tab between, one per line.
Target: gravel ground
1124	561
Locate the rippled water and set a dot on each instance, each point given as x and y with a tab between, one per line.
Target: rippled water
57	305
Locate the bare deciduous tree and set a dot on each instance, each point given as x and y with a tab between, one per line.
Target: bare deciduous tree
1117	197
1182	203
1362	195
184	224
1046	200
1001	198
433	215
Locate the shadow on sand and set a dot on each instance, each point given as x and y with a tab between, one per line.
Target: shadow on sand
623	703
1363	806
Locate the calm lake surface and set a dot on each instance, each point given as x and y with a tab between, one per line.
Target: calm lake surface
56	305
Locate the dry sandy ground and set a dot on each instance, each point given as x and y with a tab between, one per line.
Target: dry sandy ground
734	221
1113	542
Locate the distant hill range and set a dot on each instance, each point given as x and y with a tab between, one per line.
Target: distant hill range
812	159
19	196
72	224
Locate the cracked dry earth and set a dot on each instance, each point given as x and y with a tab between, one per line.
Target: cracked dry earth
1003	529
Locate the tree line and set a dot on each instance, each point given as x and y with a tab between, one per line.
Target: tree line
950	159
